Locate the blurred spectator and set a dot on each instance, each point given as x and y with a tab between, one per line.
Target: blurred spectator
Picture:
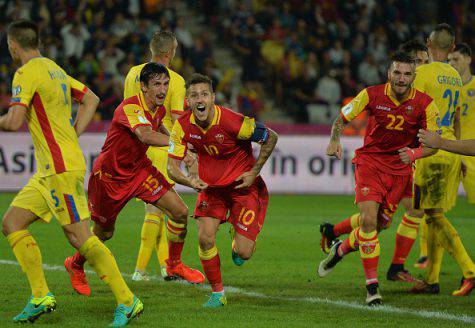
74	36
328	89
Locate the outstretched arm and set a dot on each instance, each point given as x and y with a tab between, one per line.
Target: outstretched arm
150	137
433	140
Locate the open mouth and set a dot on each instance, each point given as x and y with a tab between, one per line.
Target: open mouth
201	108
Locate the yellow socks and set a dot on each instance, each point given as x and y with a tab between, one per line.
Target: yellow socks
103	262
162	245
28	255
450	240
149	238
435	254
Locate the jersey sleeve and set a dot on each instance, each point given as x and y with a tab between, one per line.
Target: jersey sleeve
355	106
177	99
432	121
177	145
132	117
23	88
130	84
247	128
78	90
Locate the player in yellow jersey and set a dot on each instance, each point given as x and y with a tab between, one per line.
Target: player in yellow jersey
42	95
153	237
436	178
461	59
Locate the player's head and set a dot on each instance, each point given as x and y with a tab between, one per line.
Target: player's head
154	80
22	35
200	96
401	73
441	39
461	58
163	45
417	50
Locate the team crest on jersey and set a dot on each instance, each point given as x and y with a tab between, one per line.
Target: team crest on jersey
368	248
220	138
365	191
16	90
471	92
203	205
409	110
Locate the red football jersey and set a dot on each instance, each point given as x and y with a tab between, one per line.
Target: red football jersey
123	153
224	149
392	125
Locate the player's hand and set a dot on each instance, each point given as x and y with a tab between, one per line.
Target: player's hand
189	160
198	184
429	139
247	179
334	149
404	156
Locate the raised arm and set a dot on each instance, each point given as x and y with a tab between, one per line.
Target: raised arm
86	110
152	138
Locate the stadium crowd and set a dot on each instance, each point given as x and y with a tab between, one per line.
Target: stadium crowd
303	52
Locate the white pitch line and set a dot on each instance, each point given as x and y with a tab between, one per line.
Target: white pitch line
316	300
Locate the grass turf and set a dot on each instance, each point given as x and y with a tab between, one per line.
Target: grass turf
278	287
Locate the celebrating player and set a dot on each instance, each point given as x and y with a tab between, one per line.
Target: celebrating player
162	46
383	165
228	176
436	178
42	95
330	232
122	172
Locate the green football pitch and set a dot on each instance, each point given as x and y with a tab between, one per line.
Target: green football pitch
278	287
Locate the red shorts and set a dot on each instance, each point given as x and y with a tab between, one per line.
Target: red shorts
107	197
383	188
247	207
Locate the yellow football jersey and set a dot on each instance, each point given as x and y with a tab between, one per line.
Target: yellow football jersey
47	91
467	110
443	83
174	100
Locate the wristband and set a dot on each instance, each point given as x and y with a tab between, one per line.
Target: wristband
414	153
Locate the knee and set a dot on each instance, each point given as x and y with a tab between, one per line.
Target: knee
9	225
244	254
206	242
181	215
369	221
105	235
415	213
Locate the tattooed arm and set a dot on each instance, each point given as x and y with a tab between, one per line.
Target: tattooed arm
334	147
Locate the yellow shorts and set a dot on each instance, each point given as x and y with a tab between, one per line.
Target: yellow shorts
61	195
159	158
469	180
436	181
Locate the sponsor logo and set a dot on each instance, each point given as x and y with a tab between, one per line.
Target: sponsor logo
365	191
157	190
242	227
347	109
383	108
16	90
195	136
220	138
143	120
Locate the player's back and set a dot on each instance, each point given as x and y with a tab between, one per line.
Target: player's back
123	154
45	88
443	84
467	110
175	95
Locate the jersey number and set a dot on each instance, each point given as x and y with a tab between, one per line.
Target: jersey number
65	92
464	109
246	216
54	197
449	115
393	125
212	150
151	183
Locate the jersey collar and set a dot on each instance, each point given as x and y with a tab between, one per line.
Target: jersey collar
215	121
387	91
143	104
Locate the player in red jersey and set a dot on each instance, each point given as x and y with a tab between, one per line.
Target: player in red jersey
123	171
383	165
228	180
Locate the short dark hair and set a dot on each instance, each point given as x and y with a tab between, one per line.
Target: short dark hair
464	49
197	78
151	70
25	33
402	57
412	46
